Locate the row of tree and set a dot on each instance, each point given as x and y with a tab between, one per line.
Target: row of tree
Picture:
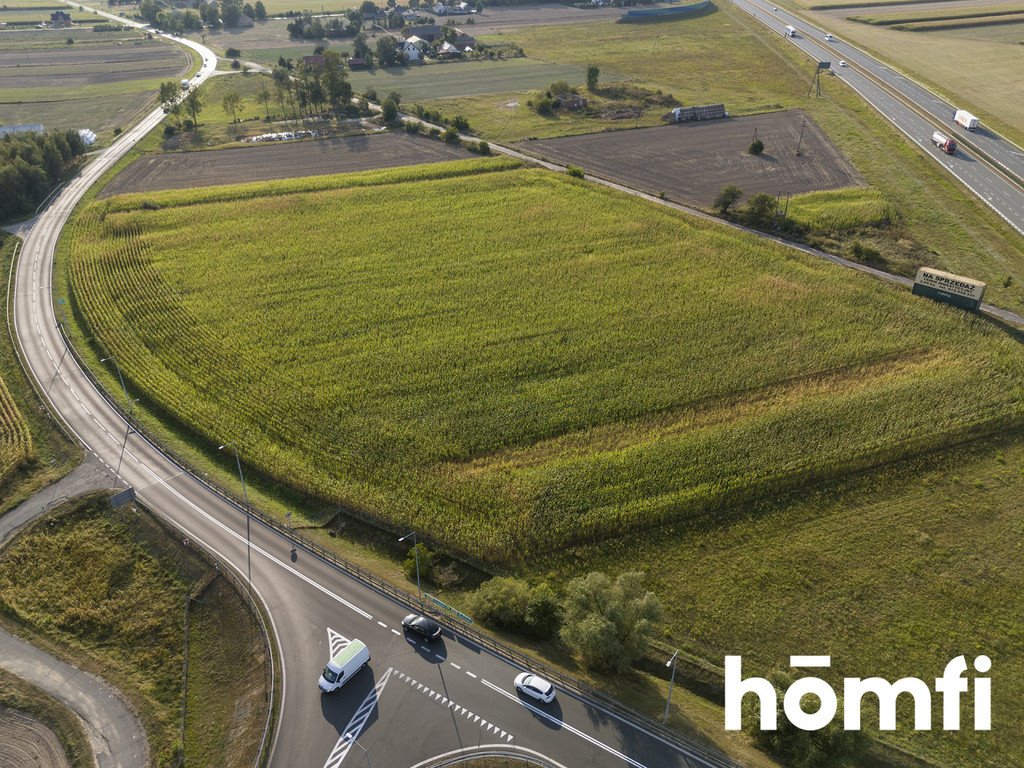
227	13
31	165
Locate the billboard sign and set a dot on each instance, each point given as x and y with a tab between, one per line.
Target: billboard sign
949	288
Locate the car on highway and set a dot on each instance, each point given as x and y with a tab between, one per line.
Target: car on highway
535	687
828	36
423	626
843	63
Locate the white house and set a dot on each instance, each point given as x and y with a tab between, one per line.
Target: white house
409	49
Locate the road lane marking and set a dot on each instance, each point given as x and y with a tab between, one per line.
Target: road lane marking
562	724
337	642
471	675
457	709
383	624
456	666
355	725
395	632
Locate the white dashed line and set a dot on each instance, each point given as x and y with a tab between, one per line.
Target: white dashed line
456	666
395	632
383	624
471	675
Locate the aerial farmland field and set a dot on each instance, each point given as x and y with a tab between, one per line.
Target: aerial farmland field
101	81
548	412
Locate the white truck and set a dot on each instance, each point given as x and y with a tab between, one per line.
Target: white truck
965	119
184	85
343	666
790	31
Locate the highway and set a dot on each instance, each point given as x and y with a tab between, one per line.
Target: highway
413	702
990	186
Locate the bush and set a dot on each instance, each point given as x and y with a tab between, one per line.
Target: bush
413	127
460	124
232	53
756	147
451	136
485	149
426	563
575	171
512	605
607	623
760	210
371	95
728	197
389	111
592	74
544	106
235	64
797	748
118	131
170	130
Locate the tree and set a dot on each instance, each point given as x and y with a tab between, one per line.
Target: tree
760	210
367	7
149	10
479	6
426	563
335	83
231	12
513	605
194	104
360	48
261	10
756	147
263	97
592	74
607	623
168	94
727	198
832	745
232	102
213	16
387	52
248	10
389	111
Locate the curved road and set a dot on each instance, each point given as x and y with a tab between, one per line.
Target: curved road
991	187
414	702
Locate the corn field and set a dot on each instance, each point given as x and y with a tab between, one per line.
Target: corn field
15	439
516	361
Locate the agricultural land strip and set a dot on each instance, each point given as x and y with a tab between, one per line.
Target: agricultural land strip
455	344
693	161
183	170
96	83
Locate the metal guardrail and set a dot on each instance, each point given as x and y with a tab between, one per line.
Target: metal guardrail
696	750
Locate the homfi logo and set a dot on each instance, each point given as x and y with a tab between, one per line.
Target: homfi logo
951	686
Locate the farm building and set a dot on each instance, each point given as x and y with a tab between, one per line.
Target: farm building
448	51
571	101
316	60
356	62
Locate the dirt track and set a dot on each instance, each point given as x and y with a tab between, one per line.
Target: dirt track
181	170
691	162
27	743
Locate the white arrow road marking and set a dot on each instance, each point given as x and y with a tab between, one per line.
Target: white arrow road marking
562	724
355	725
336	642
458	710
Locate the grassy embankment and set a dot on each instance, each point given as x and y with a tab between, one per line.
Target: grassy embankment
550	412
121	617
33	450
19	695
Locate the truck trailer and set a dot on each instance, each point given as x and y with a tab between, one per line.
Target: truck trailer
943	142
790	31
965	119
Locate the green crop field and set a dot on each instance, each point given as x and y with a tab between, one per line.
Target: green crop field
15	440
102	81
463	381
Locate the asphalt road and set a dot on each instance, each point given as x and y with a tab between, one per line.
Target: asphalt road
413	702
1004	197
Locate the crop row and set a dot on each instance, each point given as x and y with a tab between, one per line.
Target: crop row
514	361
15	439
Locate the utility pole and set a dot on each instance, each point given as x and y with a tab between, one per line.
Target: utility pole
248	517
668	702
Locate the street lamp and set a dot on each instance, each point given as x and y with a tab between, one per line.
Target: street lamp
416	554
248	518
119	377
352	737
671	663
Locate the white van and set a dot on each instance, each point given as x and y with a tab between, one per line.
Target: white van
343	666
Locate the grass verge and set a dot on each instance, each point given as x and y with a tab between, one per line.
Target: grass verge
122	617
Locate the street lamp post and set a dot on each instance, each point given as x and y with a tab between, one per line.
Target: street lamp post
668	702
352	736
248	517
416	555
119	378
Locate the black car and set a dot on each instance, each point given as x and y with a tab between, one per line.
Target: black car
421	625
